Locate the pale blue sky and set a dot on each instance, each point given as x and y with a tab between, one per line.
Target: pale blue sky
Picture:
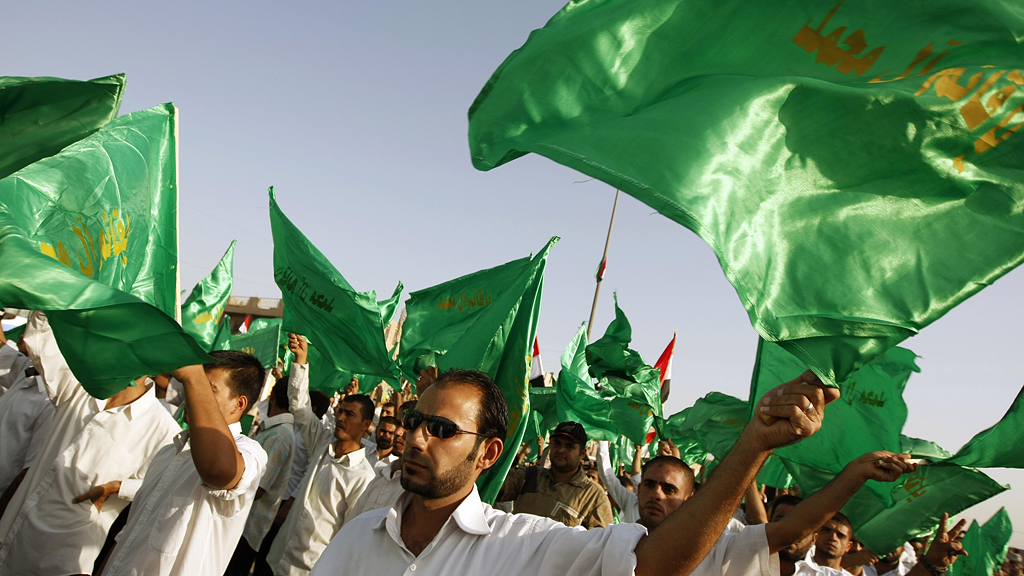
356	113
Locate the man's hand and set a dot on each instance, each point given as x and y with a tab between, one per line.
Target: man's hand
946	545
99	494
882	466
790	412
300	347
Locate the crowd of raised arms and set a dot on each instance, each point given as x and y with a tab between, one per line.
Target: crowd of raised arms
386	483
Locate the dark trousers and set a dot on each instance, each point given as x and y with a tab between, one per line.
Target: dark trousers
244	557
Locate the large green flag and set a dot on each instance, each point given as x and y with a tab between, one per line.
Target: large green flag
577	399
201	313
346	326
109	200
499	341
438	316
986	547
40	116
636	385
868	416
1000	445
853	165
711	426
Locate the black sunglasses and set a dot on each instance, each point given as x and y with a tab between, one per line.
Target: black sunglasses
437	426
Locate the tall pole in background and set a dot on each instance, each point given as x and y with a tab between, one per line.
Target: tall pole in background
601	267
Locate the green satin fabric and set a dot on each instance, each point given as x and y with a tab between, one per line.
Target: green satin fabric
201	313
499	341
261	343
851	199
998	446
577	400
40	116
345	326
711	426
106	208
986	546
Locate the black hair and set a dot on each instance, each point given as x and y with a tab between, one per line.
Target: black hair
789	499
320	402
280	393
840	518
388	420
364	402
492	415
672	461
247	373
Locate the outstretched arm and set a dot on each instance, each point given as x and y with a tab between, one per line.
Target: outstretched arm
753	506
217	459
811	514
788	413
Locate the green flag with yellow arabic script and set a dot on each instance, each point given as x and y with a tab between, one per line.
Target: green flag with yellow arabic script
346	326
201	313
499	341
90	236
40	116
854	165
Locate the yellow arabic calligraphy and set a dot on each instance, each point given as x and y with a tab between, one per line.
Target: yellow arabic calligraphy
916	485
464	302
113	241
829	52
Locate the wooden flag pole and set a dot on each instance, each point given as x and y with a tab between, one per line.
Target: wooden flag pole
177	227
601	266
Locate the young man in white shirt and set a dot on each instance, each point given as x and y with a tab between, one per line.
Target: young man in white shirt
26	415
191	509
336	476
440	526
87	470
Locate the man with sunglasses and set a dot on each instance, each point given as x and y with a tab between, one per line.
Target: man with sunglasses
337	474
440	526
562	492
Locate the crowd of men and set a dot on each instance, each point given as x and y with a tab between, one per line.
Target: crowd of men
362	485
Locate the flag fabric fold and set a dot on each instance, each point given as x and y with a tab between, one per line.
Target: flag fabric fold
577	399
856	169
986	546
202	311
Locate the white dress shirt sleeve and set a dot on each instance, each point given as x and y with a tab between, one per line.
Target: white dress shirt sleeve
743	553
61	384
255	459
129	487
618	492
299	405
40	431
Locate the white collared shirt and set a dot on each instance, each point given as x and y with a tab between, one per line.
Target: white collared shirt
741	553
178	525
42	532
277	437
331	487
808	567
629	505
26	415
383	490
478	539
375	461
12	367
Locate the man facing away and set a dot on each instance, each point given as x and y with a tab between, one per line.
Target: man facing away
440	525
277	437
192	507
562	492
336	476
88	467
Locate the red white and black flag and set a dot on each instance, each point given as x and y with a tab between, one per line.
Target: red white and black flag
536	367
664	365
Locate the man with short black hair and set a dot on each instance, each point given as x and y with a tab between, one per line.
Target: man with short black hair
336	476
831	542
563	492
199	489
382	453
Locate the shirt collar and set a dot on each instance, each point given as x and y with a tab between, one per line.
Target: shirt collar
468	516
350	459
140	405
283	418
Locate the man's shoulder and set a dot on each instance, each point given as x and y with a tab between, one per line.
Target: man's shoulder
250	448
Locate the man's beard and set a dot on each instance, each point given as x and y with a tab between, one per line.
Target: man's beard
446	484
795	556
384	443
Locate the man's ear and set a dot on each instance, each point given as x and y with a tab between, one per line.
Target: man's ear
241	404
490	452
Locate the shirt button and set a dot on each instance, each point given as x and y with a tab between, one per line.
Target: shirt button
180	458
159	488
412	568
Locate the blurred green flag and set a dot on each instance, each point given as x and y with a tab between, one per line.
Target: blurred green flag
90	236
261	342
854	165
40	116
621	370
986	547
346	326
577	399
1000	445
711	426
499	341
201	313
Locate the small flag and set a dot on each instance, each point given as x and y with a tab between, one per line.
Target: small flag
537	366
244	327
601	268
664	365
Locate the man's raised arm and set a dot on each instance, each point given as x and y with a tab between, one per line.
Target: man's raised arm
217	459
788	413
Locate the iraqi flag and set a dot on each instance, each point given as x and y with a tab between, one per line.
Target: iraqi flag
664	365
536	366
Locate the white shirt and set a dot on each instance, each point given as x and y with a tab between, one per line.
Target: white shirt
42	532
907	561
478	539
808	567
26	415
383	490
300	459
178	525
331	487
629	505
375	461
742	553
12	367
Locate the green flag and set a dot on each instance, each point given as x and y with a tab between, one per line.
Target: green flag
346	326
104	211
868	416
1000	445
986	547
222	339
855	169
636	385
40	116
261	342
201	312
14	334
711	426
577	399
499	341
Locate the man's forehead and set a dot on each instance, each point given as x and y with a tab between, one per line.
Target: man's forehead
456	402
665	474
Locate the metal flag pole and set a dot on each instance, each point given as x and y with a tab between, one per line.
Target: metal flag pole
601	266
